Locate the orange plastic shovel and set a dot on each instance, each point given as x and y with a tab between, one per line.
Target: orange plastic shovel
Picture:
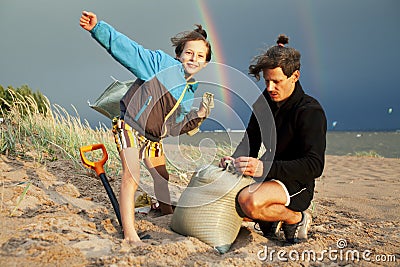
98	168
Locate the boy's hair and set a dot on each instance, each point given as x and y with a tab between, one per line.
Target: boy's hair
182	38
276	56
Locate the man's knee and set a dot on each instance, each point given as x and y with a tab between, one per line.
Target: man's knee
247	205
260	197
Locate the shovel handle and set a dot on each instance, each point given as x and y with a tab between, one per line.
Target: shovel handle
98	165
111	196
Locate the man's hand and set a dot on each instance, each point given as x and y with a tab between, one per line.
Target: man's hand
222	161
249	166
88	20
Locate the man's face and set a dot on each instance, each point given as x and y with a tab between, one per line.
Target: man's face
279	86
193	56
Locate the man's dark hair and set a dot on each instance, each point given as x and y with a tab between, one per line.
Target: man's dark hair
276	56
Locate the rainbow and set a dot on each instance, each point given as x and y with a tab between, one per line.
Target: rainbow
306	10
234	91
218	54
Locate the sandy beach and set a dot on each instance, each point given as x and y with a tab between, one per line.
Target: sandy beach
65	218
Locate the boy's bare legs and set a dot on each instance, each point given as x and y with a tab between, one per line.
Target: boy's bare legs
129	184
158	171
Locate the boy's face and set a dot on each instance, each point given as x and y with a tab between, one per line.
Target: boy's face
279	86
193	56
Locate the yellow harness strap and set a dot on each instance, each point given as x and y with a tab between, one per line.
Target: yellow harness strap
175	107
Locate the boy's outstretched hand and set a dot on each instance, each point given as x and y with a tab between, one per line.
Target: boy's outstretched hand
88	20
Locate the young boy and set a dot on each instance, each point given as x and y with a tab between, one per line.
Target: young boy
157	105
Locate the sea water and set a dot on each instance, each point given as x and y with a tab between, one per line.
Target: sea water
384	144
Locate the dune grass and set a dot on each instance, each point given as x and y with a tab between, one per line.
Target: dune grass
29	133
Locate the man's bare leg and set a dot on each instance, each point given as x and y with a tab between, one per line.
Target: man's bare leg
266	202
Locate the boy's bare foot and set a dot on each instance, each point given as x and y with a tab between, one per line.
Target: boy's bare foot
134	242
131	236
165	208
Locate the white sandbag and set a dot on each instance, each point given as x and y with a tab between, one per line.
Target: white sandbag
206	209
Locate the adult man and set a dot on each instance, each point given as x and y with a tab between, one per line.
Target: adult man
287	178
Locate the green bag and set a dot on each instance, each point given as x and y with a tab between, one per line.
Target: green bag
108	102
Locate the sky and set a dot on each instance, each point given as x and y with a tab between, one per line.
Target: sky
349	51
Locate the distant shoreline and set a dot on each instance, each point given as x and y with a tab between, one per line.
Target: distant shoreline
340	143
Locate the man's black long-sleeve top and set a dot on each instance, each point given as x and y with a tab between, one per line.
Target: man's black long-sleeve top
300	137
